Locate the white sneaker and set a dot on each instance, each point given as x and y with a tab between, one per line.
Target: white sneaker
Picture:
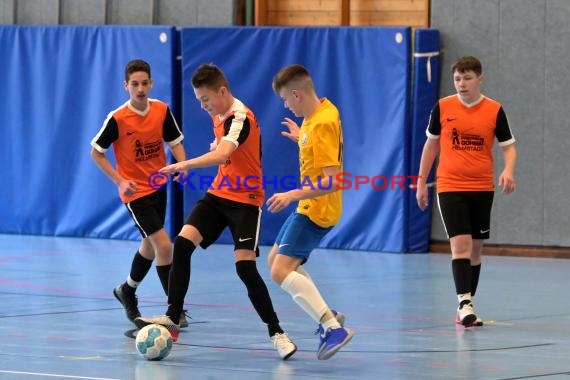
162	320
467	315
478	322
284	346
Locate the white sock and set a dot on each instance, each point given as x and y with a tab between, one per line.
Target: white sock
331	323
305	294
464	297
132	283
302	271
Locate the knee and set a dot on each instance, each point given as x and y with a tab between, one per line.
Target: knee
277	274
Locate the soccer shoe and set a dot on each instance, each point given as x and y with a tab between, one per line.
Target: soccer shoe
340	318
163	320
129	302
332	341
466	315
284	345
478	322
183	322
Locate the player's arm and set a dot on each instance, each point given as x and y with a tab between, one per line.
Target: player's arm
126	187
429	153
507	177
507	144
178	152
213	158
328	184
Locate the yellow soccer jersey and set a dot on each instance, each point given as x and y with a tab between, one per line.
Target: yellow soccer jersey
320	145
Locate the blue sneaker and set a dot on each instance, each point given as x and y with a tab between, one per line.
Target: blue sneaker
332	341
340	318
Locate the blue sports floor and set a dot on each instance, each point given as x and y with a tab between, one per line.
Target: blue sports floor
59	319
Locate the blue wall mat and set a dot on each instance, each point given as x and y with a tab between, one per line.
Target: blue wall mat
425	94
365	71
59	83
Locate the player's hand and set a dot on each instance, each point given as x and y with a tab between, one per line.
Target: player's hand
293	133
422	196
278	202
507	182
174	168
127	188
180	175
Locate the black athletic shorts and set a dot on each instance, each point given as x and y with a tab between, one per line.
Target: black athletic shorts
212	214
149	212
466	213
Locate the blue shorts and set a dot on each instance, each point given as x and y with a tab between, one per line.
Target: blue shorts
299	236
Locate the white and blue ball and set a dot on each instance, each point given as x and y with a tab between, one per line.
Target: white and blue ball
154	342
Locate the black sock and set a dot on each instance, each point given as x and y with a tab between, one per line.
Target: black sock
475	271
163	274
462	275
179	277
258	295
139	268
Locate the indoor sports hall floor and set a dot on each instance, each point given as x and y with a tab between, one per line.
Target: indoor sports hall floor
59	319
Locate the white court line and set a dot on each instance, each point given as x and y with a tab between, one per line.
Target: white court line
56	375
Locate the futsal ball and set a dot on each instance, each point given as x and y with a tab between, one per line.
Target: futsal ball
154	342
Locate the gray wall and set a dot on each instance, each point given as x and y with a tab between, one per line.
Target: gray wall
132	12
524	46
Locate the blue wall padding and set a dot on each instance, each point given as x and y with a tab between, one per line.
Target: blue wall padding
59	83
425	95
364	71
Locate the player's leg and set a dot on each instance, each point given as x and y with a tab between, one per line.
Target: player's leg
159	239
455	214
481	204
144	215
202	227
244	223
294	243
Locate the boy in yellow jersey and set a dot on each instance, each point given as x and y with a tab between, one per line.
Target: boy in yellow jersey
237	153
137	130
320	203
461	130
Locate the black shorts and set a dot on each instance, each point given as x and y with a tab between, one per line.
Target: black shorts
466	213
149	212
213	214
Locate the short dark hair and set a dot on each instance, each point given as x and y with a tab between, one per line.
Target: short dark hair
468	63
289	74
134	66
209	75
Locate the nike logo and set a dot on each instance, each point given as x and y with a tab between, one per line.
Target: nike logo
451	118
282	245
130	133
484	231
242	240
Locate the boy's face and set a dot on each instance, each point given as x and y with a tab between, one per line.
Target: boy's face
468	85
291	100
139	86
212	101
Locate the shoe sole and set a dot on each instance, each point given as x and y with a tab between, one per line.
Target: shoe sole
474	324
290	354
469	320
330	354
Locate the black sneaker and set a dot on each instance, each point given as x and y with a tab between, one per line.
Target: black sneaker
129	302
183	323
